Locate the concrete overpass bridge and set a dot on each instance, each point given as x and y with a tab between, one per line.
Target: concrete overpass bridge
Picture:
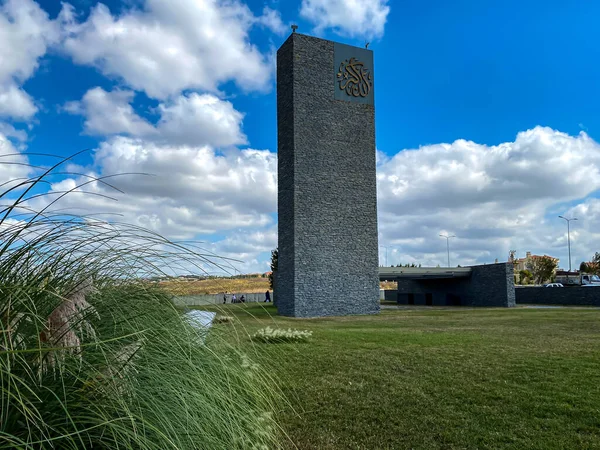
423	273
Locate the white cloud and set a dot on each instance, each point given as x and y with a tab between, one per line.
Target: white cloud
590	210
353	18
26	32
540	164
188	192
9	131
247	250
271	19
109	113
494	198
167	47
585	232
14	167
192	119
15	103
200	119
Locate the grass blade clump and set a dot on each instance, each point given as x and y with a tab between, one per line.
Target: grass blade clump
93	356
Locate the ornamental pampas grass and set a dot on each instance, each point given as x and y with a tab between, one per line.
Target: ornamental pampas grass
93	356
223	319
67	323
276	335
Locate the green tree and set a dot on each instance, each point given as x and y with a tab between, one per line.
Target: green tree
542	268
274	263
525	276
595	266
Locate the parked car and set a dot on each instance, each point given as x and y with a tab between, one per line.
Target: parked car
554	285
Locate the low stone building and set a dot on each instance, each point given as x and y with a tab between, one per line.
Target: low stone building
487	285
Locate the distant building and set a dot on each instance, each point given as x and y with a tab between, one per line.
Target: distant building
524	263
486	285
527	262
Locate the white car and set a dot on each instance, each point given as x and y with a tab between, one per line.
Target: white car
554	285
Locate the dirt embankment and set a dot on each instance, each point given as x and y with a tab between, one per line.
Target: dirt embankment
232	285
216	286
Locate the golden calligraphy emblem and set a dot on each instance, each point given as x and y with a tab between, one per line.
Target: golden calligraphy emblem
354	78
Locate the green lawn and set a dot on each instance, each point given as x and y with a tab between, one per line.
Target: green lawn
438	378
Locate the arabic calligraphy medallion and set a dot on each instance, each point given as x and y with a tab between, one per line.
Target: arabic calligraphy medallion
354	78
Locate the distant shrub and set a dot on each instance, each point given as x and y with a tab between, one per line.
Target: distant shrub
276	335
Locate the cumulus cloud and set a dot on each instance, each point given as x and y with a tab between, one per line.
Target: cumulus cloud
353	18
197	119
109	113
167	47
493	198
271	19
193	119
8	131
26	32
16	103
539	164
13	164
181	192
247	250
585	232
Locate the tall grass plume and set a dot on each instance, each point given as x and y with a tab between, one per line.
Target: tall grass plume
94	356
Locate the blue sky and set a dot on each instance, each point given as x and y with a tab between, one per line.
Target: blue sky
486	116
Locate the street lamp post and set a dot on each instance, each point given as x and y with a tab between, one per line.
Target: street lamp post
447	245
569	236
386	249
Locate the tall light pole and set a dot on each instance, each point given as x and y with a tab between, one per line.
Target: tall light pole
386	249
447	245
569	236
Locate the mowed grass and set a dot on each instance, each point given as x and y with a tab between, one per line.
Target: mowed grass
437	378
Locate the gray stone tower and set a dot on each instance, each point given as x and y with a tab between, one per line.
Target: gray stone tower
327	193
